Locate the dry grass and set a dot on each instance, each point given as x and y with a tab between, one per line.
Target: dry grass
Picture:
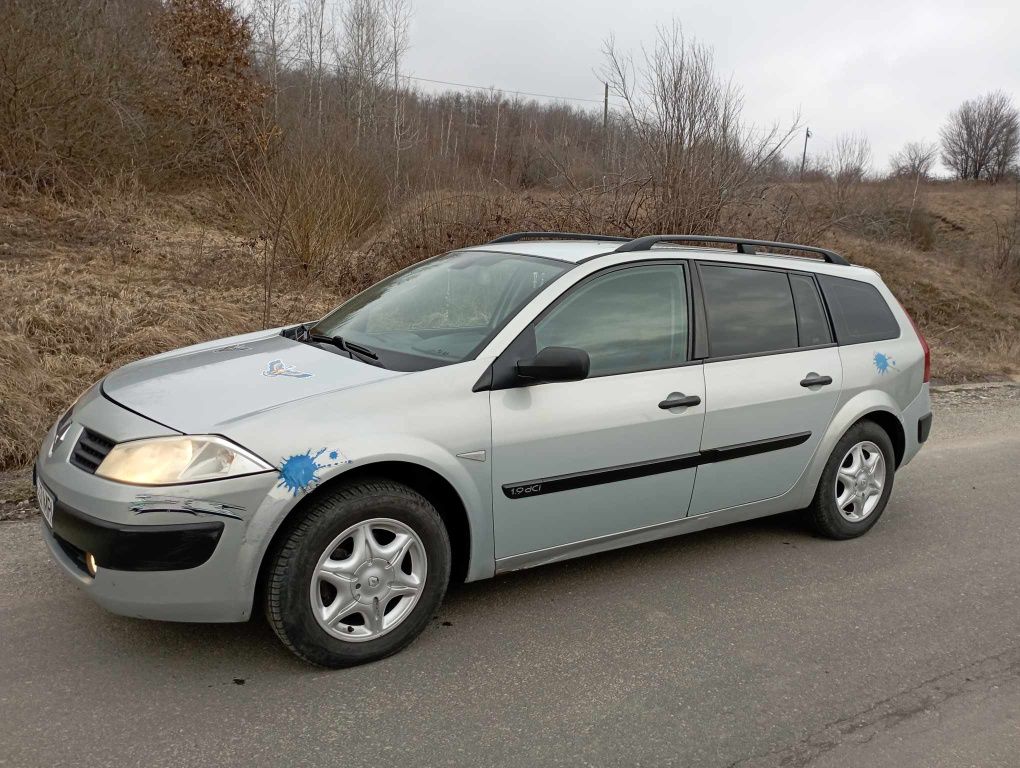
87	289
134	284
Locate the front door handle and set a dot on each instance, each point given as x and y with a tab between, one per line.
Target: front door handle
814	380
679	400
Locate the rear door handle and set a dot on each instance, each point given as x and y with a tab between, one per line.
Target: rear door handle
814	380
679	400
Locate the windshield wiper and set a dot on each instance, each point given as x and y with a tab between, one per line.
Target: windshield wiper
345	346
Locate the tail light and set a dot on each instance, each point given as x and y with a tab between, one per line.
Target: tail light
924	345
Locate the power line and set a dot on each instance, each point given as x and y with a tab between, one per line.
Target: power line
502	90
364	70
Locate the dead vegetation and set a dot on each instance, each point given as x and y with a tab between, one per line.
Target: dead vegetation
86	291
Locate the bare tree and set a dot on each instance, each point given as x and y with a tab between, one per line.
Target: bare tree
915	160
846	165
982	137
275	41
398	16
317	34
692	145
363	57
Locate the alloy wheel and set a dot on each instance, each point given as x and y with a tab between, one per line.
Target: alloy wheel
368	580
860	480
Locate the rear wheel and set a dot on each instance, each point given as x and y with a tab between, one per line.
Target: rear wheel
359	575
855	484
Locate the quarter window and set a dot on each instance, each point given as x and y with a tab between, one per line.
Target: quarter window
750	311
812	327
859	313
629	320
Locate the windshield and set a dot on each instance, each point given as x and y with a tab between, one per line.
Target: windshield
441	311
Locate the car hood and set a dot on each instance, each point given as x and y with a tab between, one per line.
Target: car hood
205	389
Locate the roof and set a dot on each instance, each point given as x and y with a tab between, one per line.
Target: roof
563	250
575	251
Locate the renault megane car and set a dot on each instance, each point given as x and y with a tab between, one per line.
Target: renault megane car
537	398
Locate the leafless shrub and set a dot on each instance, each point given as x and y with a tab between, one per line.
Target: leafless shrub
311	201
72	73
1006	256
692	146
981	138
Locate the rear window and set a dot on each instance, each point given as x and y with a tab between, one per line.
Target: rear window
750	311
859	313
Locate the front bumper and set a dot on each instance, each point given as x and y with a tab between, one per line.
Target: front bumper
177	562
122	547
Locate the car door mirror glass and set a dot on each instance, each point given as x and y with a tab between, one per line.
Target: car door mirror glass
554	364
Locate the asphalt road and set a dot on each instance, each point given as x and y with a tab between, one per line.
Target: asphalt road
753	645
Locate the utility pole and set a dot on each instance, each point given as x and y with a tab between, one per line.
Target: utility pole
605	125
803	158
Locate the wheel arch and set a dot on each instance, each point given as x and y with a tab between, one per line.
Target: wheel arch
425	480
873	405
893	427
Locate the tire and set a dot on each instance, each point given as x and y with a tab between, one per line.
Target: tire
312	560
824	514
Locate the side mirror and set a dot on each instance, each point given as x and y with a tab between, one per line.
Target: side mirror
555	364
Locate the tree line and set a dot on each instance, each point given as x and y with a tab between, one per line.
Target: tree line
168	91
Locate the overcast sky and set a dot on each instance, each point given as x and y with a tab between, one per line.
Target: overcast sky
891	69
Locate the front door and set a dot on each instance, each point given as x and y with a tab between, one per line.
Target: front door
773	379
575	461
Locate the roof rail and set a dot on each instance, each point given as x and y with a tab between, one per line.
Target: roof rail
515	236
743	245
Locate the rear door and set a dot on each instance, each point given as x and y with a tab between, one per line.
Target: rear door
772	378
581	460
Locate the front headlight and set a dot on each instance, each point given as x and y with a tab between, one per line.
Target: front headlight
178	460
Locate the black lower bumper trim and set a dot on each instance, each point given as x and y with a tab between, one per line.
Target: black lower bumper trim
923	428
120	547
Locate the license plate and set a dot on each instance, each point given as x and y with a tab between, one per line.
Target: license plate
45	499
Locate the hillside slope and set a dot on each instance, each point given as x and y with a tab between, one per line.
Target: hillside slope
86	291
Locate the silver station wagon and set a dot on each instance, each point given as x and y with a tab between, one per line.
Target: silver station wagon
537	398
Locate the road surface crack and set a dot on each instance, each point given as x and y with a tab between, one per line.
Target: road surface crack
865	725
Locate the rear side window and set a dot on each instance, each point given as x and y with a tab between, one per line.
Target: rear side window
750	311
812	327
629	320
859	313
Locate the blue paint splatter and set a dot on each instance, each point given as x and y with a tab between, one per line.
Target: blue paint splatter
883	363
300	472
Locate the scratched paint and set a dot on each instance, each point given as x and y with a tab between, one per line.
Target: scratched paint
300	473
145	503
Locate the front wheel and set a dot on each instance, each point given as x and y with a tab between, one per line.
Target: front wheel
855	484
359	575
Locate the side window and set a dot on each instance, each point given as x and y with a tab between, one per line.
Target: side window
749	310
630	320
812	326
859	313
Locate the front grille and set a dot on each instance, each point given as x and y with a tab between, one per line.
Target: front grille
90	450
